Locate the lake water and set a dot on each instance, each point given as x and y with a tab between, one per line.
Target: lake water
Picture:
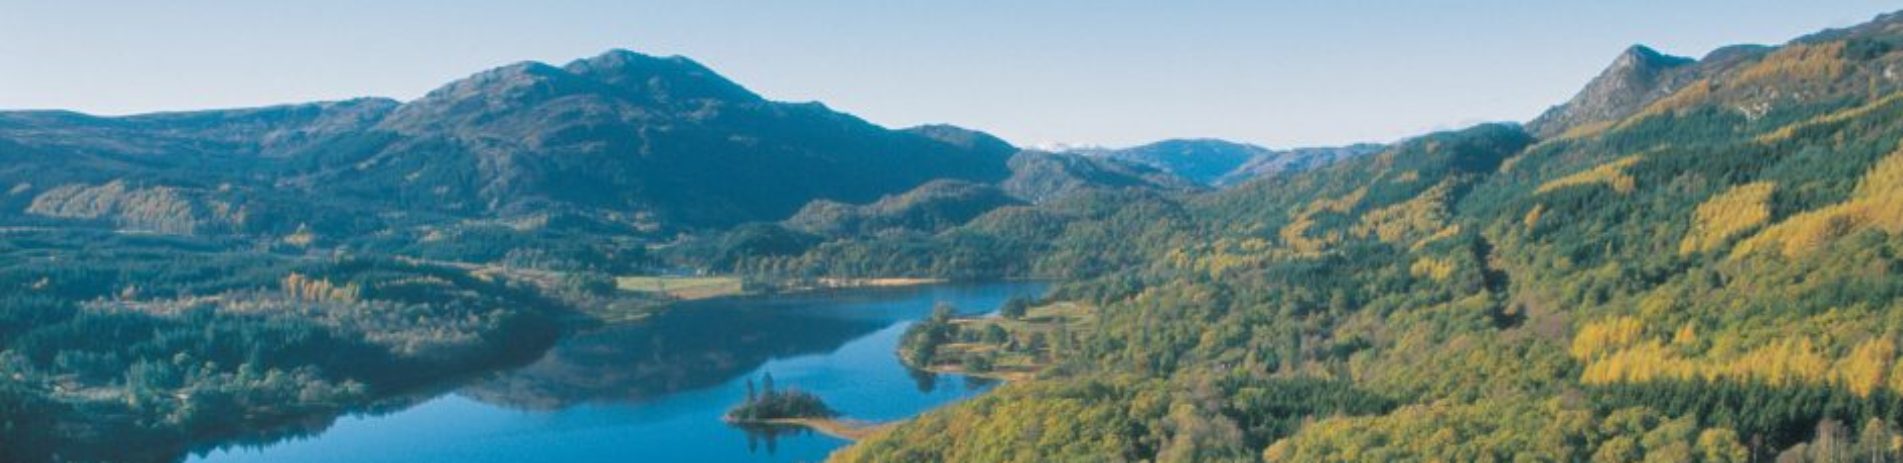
655	391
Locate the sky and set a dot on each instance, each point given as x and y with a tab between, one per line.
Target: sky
1281	73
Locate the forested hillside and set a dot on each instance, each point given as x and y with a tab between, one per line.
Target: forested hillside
1706	275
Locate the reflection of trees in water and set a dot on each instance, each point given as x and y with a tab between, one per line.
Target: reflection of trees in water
978	383
927	381
693	346
309	426
679	352
768	435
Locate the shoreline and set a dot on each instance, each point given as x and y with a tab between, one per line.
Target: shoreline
1002	376
843	428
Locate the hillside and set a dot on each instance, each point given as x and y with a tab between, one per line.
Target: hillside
930	208
1038	176
1703	275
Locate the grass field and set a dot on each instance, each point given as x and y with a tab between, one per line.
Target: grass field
682	288
1014	365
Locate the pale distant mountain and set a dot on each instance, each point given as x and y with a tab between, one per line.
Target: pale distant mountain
1220	163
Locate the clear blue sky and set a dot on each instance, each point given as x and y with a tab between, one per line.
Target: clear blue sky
1113	72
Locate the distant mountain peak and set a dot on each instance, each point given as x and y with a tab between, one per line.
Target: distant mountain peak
1638	76
1217	162
1202	142
616	84
1641	58
665	78
964	138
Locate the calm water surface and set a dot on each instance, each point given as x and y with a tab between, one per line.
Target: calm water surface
655	391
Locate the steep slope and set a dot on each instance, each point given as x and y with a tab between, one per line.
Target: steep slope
1637	77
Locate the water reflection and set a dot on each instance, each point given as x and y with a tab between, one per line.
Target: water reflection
674	354
765	438
656	391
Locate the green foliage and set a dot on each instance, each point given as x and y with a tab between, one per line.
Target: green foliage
152	342
1014	308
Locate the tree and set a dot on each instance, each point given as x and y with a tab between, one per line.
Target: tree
1014	308
943	312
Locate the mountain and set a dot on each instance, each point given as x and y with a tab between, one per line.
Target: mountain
625	135
1039	176
1199	160
1220	163
623	140
1293	160
1637	77
930	208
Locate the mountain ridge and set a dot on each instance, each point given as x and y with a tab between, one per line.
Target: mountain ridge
1222	163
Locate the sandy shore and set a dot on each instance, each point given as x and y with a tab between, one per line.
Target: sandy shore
841	428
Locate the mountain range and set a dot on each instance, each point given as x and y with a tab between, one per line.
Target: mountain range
617	142
1221	163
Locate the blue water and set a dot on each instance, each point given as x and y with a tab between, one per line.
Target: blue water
655	391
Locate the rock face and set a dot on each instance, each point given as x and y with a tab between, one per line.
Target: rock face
1639	76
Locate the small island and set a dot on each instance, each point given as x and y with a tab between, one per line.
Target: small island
768	405
768	408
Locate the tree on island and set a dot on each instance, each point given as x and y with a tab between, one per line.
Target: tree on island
1015	308
769	404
